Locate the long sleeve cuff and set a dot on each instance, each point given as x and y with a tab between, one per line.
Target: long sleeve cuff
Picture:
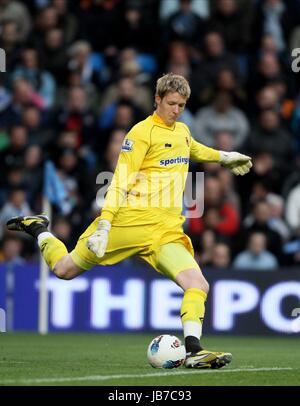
107	215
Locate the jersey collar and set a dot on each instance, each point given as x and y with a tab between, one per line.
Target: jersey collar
157	119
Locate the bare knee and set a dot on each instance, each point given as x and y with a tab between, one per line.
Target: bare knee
62	272
205	285
192	278
66	269
198	283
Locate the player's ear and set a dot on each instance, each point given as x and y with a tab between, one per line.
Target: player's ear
157	100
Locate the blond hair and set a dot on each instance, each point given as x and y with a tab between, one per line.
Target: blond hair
171	83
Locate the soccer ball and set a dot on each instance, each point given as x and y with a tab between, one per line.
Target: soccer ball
166	351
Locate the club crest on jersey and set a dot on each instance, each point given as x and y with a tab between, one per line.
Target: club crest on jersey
127	145
187	141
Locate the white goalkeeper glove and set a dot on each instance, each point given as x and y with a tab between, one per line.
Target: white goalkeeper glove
97	242
239	164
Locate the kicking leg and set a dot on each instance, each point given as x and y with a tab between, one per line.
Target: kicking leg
176	262
192	313
193	306
53	250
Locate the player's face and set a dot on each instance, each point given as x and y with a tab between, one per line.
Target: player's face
170	107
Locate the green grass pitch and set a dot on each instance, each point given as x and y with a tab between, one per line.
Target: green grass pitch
120	360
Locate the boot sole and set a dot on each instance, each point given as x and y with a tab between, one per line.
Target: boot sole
15	223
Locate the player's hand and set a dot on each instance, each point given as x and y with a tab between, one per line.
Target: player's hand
97	242
239	164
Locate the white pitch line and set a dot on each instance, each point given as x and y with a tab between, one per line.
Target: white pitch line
128	376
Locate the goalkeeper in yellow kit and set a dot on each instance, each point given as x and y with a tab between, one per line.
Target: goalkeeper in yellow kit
142	213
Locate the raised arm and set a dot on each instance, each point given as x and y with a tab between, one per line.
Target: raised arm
239	164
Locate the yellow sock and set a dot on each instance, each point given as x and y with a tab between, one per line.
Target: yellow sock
192	312
53	250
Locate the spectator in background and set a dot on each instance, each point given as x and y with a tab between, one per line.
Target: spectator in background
179	63
77	116
228	188
15	11
268	70
265	173
276	207
53	55
66	20
215	58
67	139
22	96
285	98
268	44
184	25
99	24
256	257
137	31
13	155
133	69
204	250
125	116
178	58
108	162
45	20
11	41
81	61
168	7
113	149
14	179
229	18
224	141
63	230
33	176
73	80
125	90
75	177
270	136
276	18
15	206
221	257
38	133
11	250
226	82
41	81
219	215
131	64
266	98
259	221
221	116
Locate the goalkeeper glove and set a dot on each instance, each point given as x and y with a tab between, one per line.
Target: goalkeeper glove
97	242
239	164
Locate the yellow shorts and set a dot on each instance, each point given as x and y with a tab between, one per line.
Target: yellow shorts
169	251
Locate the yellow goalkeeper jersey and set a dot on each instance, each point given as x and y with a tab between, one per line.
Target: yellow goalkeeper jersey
150	176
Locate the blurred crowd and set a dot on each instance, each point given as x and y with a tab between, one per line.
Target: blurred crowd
79	74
